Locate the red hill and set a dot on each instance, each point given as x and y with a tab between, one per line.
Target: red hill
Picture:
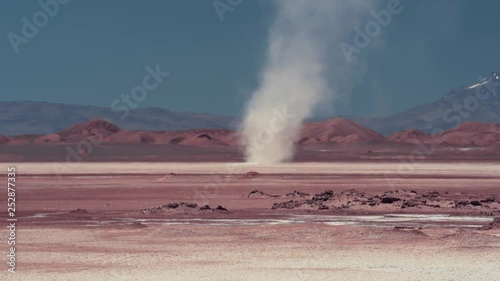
471	134
337	130
95	128
411	136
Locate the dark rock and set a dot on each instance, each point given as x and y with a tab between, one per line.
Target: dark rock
220	208
489	199
461	203
298	193
324	196
252	174
79	211
475	203
171	206
257	192
409	204
287	205
433	194
205	208
389	200
407	227
190	205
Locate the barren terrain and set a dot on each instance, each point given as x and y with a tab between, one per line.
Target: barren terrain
216	221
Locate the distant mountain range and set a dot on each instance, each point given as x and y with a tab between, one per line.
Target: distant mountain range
479	102
27	117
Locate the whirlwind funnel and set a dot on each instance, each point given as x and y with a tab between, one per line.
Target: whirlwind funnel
292	81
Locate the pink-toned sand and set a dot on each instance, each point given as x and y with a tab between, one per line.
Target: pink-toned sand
90	223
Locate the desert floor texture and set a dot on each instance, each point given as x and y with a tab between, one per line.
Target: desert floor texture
230	221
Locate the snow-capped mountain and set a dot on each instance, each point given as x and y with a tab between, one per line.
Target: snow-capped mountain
477	102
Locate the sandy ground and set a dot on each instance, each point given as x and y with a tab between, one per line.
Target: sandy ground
250	241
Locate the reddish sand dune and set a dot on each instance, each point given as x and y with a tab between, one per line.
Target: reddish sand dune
337	133
97	128
471	134
337	130
411	136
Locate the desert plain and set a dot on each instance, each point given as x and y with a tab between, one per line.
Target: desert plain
235	221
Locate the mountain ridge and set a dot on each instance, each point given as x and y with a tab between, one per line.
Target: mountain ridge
479	102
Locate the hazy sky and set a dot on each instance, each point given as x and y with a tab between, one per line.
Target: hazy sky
92	52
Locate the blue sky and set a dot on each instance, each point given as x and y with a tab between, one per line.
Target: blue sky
93	51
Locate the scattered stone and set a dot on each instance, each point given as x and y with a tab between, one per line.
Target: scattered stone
476	203
205	208
324	196
461	203
79	211
298	193
407	227
389	200
409	204
220	208
352	193
169	206
489	199
257	192
433	194
287	205
252	174
401	199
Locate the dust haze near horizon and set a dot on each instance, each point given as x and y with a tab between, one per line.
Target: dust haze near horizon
293	78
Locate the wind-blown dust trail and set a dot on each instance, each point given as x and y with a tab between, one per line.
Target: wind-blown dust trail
293	78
